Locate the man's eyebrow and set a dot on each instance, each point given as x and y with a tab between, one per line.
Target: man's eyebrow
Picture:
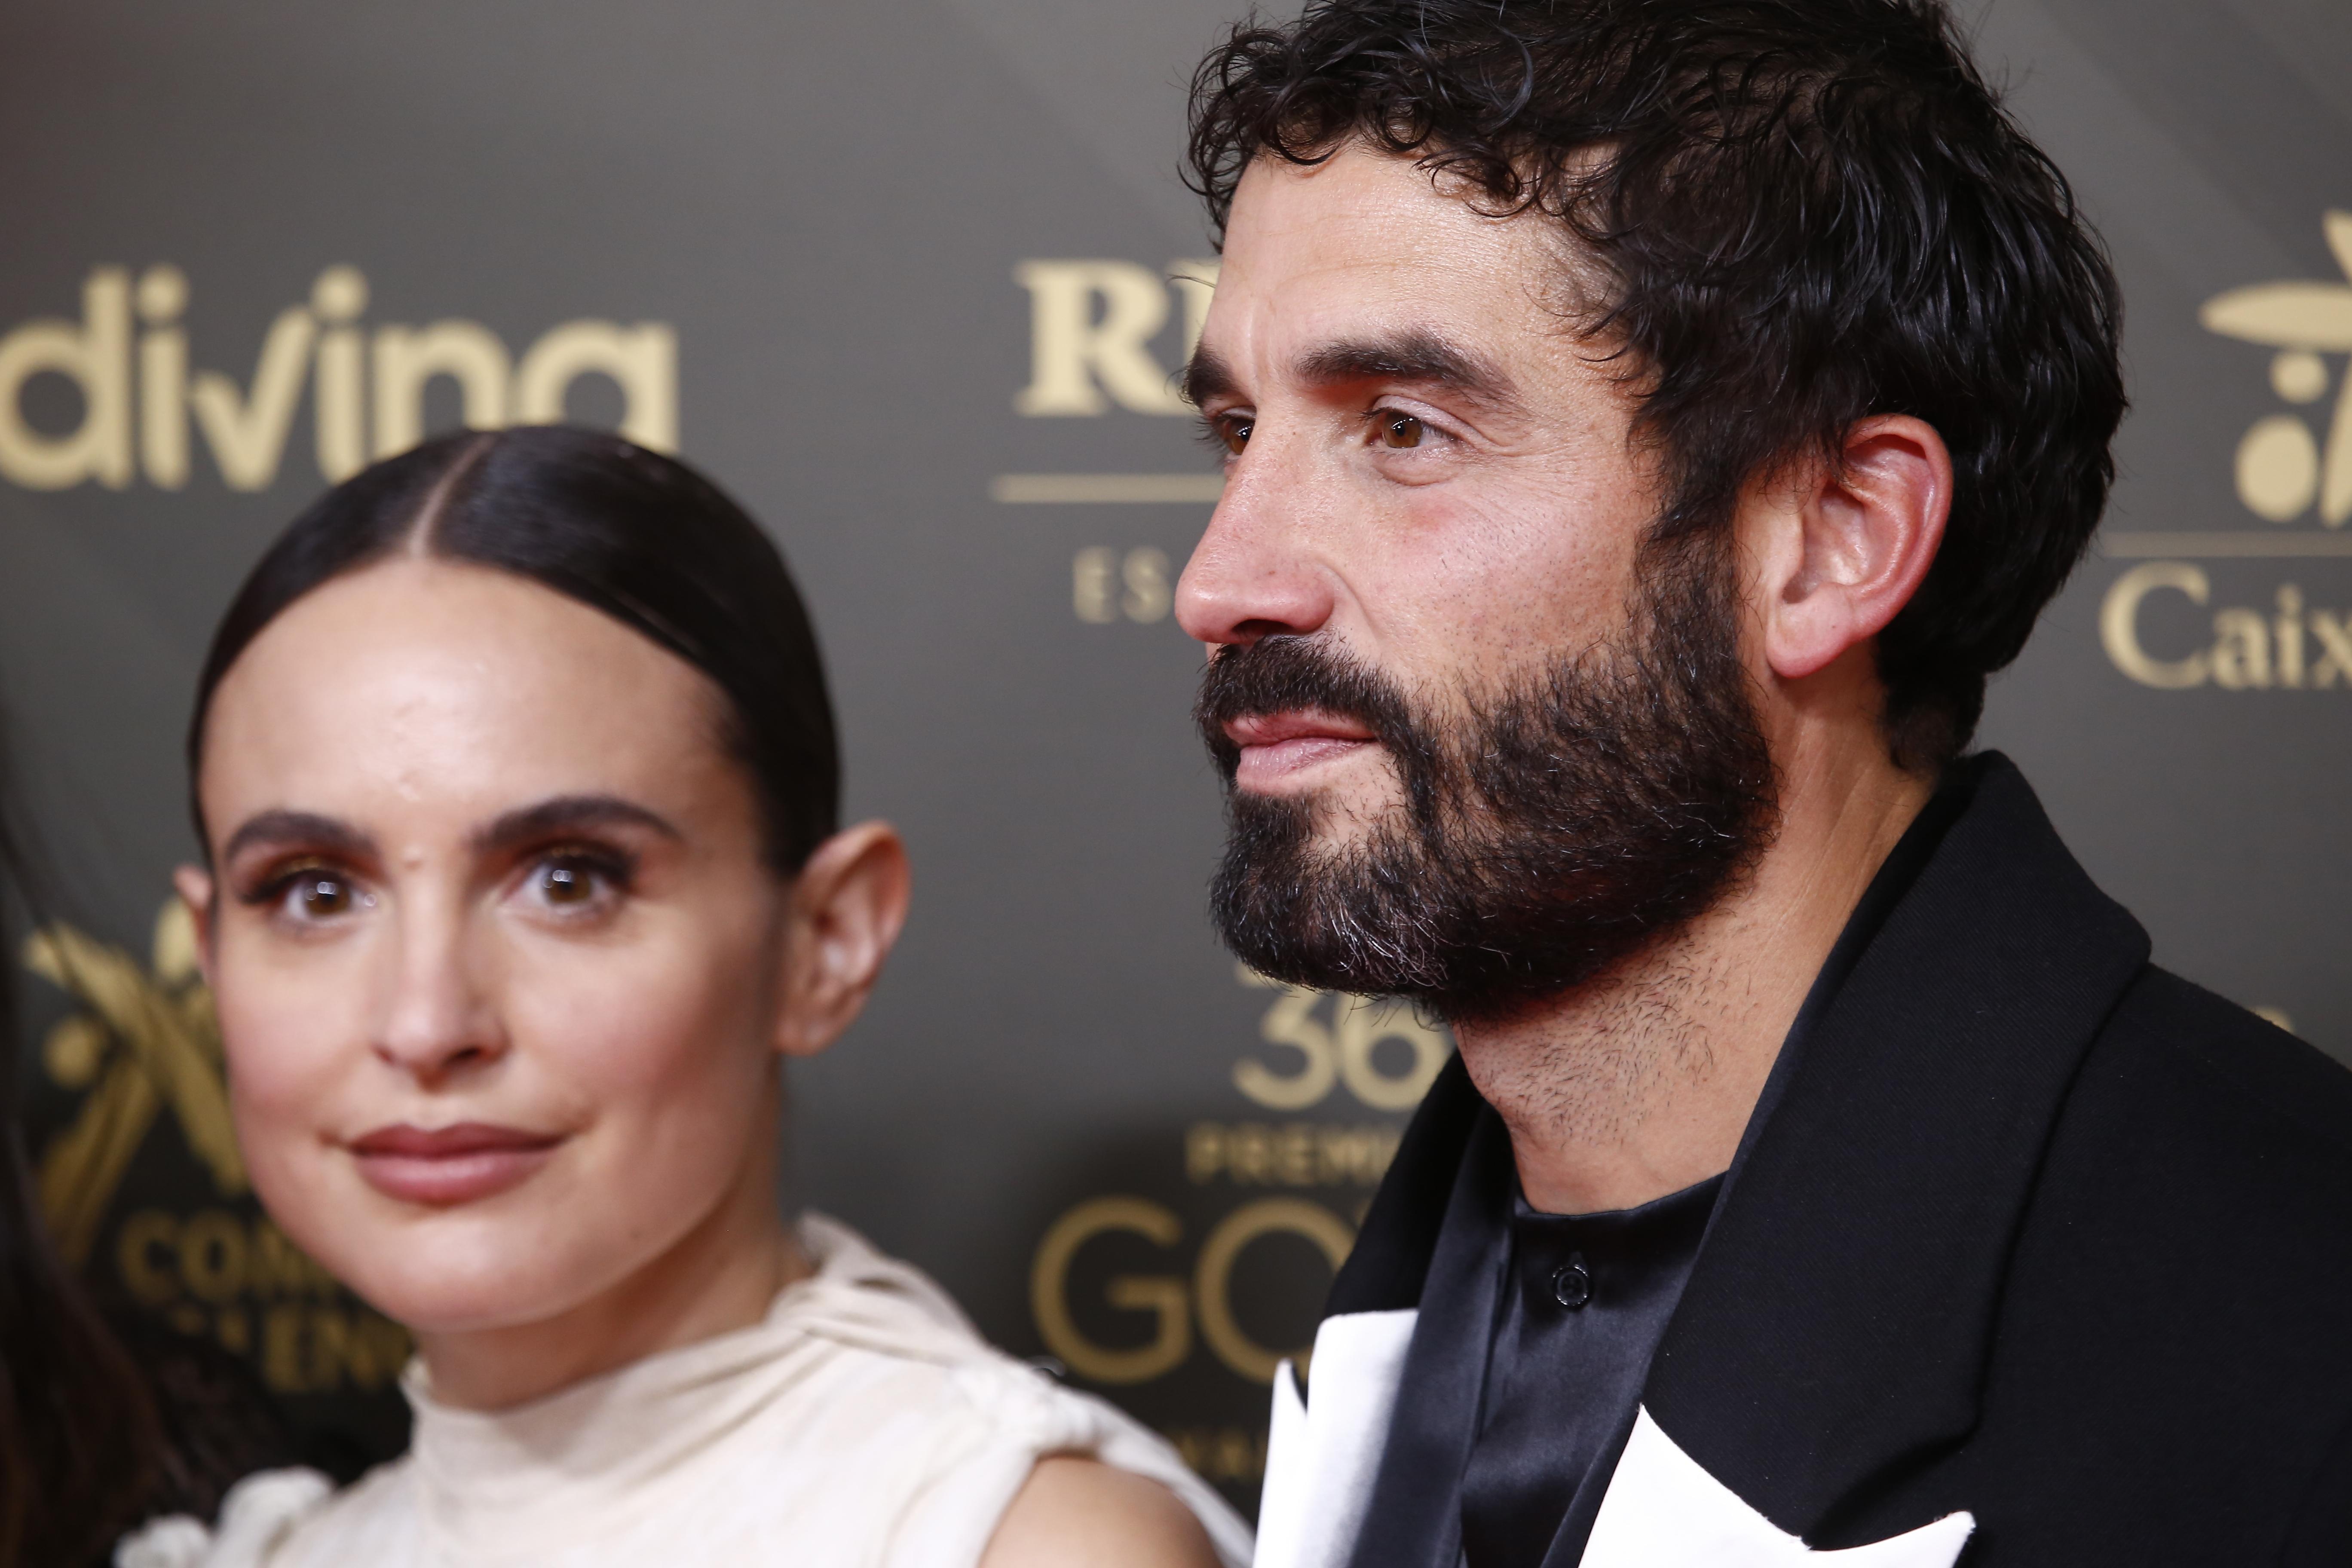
569	814
1420	357
303	827
1207	376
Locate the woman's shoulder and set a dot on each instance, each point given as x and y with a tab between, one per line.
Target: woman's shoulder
993	1417
272	1520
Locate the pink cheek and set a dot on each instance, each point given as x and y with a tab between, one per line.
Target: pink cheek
659	1031
635	1048
271	1067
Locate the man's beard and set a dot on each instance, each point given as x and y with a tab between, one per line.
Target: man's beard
1604	799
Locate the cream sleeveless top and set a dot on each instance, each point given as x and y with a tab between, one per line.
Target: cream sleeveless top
863	1422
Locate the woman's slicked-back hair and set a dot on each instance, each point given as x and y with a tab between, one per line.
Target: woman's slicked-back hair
639	536
1804	212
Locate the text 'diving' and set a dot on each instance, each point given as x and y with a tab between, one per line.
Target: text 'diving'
143	406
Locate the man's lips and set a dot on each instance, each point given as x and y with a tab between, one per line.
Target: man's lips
1274	746
445	1166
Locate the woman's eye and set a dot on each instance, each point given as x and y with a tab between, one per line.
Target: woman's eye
1399	429
320	896
566	884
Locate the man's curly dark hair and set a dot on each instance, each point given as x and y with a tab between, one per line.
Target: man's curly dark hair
1803	213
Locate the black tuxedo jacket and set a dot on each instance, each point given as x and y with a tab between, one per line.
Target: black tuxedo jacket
2034	1254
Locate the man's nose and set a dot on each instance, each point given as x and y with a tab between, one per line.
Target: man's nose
1252	575
437	1018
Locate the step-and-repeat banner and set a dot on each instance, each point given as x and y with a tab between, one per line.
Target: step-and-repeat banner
910	277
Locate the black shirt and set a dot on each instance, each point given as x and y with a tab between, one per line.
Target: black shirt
1521	1401
1584	1303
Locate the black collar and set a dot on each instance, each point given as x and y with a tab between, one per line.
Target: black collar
1835	1327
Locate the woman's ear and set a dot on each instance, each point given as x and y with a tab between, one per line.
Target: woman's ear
848	905
197	890
1839	548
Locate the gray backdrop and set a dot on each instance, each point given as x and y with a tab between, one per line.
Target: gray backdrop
899	274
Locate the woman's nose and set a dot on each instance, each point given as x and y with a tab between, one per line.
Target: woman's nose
437	1018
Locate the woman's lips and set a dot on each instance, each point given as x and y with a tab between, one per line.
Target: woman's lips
445	1166
1276	746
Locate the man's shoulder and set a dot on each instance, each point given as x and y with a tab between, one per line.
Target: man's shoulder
2199	1183
2248	1098
2168	1365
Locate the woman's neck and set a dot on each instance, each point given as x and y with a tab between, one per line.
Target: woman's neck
722	1275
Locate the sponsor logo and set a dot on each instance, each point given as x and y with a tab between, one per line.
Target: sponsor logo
2283	468
191	1246
1093	326
1247	1183
145	412
2160	623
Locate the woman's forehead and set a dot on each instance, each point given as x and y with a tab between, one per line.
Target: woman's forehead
423	679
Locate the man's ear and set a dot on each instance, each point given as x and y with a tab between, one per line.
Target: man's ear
848	905
198	890
1839	548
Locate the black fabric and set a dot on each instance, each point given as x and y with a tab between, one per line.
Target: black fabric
1456	1146
1415	1517
1811	1357
2028	1227
1391	1256
1585	1299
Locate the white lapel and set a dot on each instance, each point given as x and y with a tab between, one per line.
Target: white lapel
1322	1456
1663	1510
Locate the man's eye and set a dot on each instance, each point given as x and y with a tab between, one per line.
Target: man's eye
1234	430
1399	429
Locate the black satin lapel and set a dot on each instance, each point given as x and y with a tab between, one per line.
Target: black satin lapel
1566	1549
1836	1324
1390	1257
1415	1518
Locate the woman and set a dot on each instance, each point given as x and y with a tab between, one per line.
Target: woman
516	774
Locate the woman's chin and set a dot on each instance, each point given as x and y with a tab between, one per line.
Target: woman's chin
465	1287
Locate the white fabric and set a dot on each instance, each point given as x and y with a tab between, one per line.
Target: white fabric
1663	1509
1323	1455
864	1422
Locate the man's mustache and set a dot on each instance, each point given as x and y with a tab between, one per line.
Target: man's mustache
1285	673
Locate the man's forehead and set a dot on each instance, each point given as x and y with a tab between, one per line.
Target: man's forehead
1365	243
1365	208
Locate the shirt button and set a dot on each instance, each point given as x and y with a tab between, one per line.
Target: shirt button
1572	1283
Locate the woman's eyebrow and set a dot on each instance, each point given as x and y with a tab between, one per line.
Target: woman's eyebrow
307	828
568	813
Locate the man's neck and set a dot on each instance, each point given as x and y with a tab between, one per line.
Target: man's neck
1641	1083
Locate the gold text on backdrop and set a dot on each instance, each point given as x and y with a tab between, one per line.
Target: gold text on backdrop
322	344
1091	328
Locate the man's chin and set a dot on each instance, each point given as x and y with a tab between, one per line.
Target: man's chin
1323	822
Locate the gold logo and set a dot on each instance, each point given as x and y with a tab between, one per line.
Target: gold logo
2282	467
2156	617
140	398
143	1040
1091	329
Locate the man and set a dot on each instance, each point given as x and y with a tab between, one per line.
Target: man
1649	422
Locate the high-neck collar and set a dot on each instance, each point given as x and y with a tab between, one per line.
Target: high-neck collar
541	1472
